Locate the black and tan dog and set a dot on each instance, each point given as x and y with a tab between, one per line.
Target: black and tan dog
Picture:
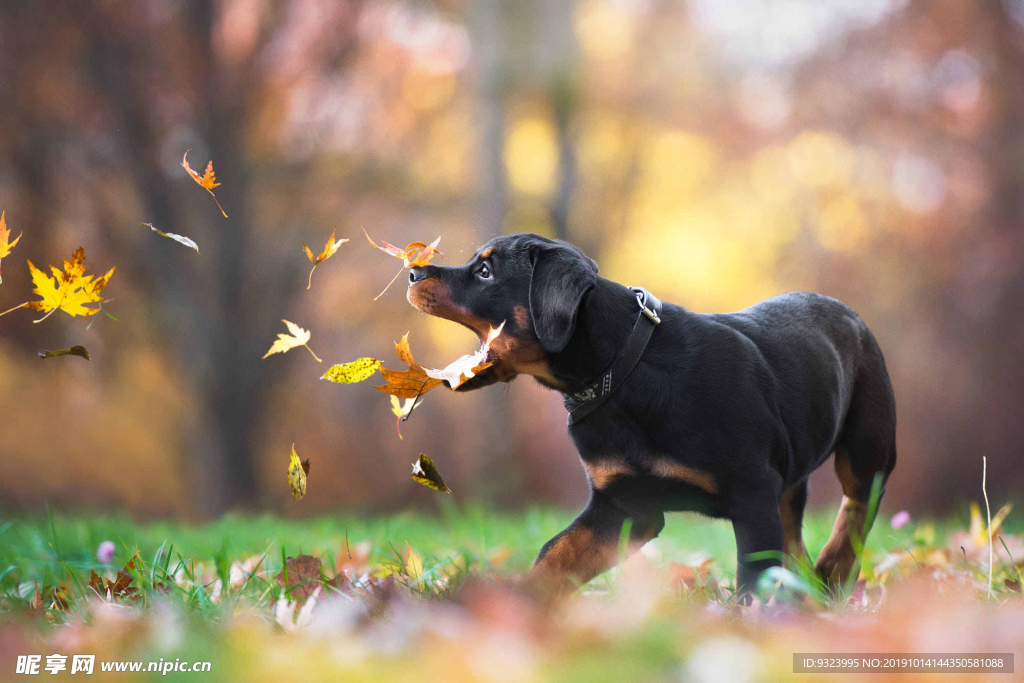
722	414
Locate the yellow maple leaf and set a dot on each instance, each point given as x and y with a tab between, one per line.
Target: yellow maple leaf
68	291
298	470
207	181
5	234
329	249
287	342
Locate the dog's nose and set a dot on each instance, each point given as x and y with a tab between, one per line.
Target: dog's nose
416	274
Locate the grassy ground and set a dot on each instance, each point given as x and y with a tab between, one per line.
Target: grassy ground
414	596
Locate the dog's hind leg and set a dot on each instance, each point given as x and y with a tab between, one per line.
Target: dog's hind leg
590	545
866	448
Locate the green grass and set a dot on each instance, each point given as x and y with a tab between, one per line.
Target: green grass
46	549
426	628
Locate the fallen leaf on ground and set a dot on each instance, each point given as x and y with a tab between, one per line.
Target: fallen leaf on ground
5	234
329	249
68	291
119	588
177	238
304	573
355	371
73	351
297	473
414	254
413	563
684	576
425	472
207	181
286	342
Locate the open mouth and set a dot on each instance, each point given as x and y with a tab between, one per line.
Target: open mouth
471	365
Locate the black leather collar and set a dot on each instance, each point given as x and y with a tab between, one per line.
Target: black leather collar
584	401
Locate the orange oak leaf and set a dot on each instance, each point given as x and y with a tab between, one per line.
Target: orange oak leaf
207	181
414	254
329	249
5	235
68	291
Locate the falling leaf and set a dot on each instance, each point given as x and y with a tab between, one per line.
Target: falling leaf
177	238
356	371
5	234
304	574
297	473
401	411
409	383
68	291
425	472
328	252
207	181
287	342
73	351
414	254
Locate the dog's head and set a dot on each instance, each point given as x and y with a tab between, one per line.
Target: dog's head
533	284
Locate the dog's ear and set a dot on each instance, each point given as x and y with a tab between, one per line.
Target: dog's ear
562	274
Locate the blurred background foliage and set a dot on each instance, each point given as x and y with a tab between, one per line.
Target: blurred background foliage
714	151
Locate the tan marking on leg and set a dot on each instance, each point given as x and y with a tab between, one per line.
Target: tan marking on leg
838	556
602	472
575	558
669	469
844	472
794	542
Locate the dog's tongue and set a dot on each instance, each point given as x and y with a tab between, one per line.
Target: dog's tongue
458	371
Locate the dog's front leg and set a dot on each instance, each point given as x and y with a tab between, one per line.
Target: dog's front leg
757	522
590	545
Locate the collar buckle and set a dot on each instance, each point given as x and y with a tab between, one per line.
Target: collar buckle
645	308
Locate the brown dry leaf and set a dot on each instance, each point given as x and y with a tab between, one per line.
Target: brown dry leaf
5	235
68	291
287	342
207	181
120	587
304	573
329	249
75	350
414	254
425	472
297	473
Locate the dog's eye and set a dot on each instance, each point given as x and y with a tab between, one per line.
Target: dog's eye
484	271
